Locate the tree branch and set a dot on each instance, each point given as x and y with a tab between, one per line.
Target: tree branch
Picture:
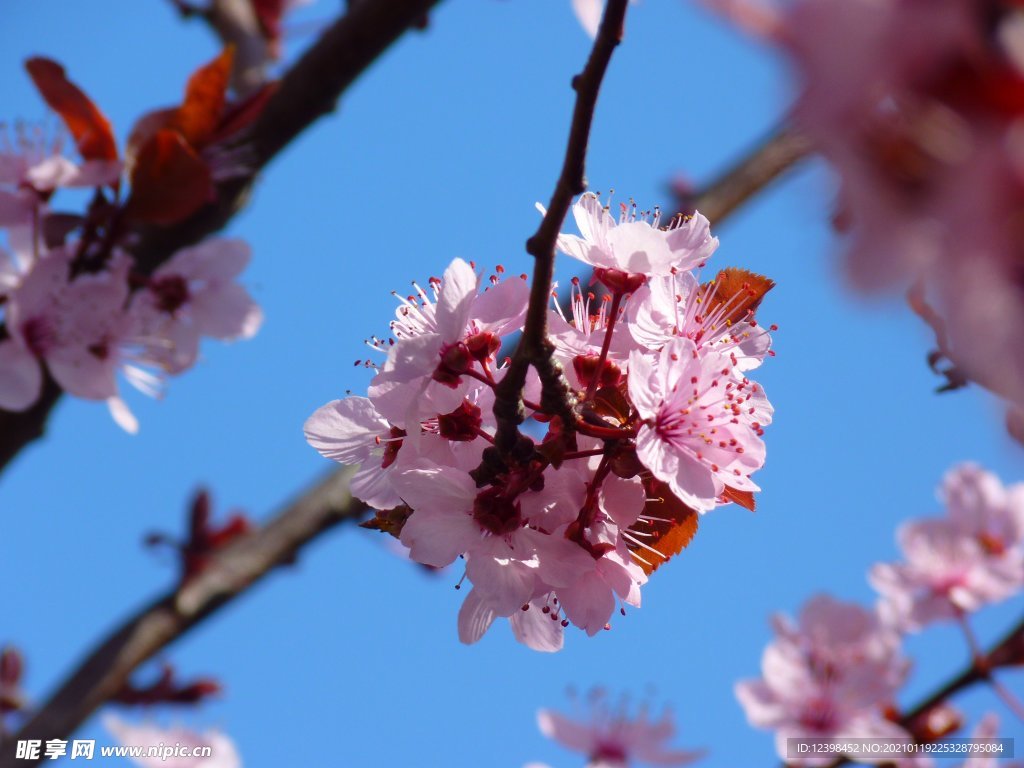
230	573
308	91
749	175
534	346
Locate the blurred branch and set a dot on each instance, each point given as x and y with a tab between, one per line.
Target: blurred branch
534	347
230	573
749	175
308	91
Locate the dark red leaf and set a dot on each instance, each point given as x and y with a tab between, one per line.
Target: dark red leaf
169	180
89	127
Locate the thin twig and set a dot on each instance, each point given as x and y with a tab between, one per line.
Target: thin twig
534	346
308	91
230	573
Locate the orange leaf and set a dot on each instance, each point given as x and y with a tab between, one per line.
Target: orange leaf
744	498
89	127
169	180
144	129
205	96
738	288
668	528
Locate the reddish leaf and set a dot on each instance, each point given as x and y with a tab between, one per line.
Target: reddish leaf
740	289
744	498
144	129
169	180
667	527
244	113
89	127
205	95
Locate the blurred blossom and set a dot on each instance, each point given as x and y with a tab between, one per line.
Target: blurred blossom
223	753
829	676
918	106
954	565
611	737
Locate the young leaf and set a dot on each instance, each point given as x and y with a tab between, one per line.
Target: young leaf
200	113
169	180
667	526
89	127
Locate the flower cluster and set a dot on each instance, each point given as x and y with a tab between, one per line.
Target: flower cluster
611	737
918	108
835	674
665	424
74	302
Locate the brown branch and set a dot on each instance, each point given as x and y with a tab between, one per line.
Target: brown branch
750	174
534	346
308	91
230	573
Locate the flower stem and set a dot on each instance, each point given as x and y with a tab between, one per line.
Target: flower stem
613	315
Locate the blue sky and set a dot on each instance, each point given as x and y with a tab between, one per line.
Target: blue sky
350	658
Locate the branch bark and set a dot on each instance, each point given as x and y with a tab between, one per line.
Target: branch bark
534	347
779	152
230	573
308	91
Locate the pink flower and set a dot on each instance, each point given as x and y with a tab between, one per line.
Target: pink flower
590	600
944	574
829	677
678	306
584	332
32	168
701	421
536	625
350	431
507	560
78	327
437	343
957	564
917	107
194	294
981	507
636	244
182	741
611	738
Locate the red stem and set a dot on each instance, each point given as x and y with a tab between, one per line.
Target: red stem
612	315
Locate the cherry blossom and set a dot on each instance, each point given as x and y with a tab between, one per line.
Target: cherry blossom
636	244
438	341
32	166
700	434
612	738
223	753
957	564
828	677
917	107
194	294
